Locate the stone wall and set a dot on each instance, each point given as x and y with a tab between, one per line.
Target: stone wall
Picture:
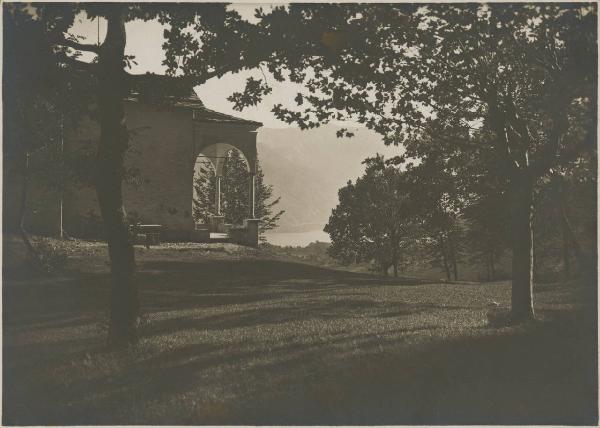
161	159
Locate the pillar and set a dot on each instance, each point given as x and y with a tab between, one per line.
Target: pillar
218	195
251	226
252	195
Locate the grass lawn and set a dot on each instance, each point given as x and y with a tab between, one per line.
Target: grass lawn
235	336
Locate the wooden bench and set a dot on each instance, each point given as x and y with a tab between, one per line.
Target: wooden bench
151	233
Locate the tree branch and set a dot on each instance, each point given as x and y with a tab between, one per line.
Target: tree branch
78	46
545	163
549	156
79	65
217	73
157	79
497	120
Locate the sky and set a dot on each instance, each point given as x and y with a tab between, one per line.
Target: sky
144	41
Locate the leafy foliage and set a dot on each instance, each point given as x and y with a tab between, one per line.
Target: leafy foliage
374	219
520	79
409	70
203	205
51	256
488	225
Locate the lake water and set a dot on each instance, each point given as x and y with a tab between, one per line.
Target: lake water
296	239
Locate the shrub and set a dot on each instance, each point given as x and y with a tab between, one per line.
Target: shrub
51	256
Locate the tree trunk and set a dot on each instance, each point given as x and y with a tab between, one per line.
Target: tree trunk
454	265
587	266
521	207
493	268
395	254
31	252
444	258
570	242
565	244
452	256
61	230
124	305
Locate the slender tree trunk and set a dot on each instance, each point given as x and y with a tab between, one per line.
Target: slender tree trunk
395	254
493	268
444	258
23	209
61	230
453	256
565	245
454	265
586	265
124	305
521	201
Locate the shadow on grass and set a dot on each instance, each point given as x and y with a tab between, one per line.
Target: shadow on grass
169	285
544	373
259	271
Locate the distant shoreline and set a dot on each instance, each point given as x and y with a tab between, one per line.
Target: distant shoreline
296	239
299	228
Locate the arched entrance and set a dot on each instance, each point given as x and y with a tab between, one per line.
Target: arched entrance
212	165
214	135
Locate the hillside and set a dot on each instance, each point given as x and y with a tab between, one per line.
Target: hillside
308	167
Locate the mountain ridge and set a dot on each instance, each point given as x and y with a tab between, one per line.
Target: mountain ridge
307	168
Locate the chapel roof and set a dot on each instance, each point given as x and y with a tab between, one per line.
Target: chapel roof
192	101
203	114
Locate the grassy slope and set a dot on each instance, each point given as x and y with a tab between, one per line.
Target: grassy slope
231	336
418	266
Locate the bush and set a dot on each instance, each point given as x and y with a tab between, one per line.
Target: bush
51	256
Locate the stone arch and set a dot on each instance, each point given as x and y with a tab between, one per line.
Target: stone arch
216	153
214	135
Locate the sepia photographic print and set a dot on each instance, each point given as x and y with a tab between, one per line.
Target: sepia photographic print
299	213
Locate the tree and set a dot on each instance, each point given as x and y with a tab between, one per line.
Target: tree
443	236
235	204
345	228
487	219
42	96
373	220
203	203
577	196
266	203
566	220
439	200
522	75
